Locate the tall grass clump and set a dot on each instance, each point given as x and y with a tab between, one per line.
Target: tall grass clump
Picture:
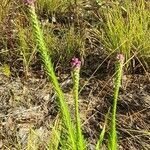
113	132
4	9
26	48
74	42
53	7
124	26
42	49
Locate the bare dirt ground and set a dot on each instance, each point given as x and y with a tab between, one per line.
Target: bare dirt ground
31	103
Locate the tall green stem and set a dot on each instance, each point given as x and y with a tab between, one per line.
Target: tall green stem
42	49
76	75
113	134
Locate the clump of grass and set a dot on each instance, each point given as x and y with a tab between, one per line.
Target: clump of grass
113	133
26	52
124	26
4	9
74	42
53	6
42	49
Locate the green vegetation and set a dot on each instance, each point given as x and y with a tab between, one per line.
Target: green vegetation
50	71
113	133
78	141
58	30
125	28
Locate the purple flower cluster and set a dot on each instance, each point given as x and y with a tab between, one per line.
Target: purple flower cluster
29	2
121	58
75	63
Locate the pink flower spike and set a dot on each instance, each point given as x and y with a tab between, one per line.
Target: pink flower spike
29	2
75	63
121	58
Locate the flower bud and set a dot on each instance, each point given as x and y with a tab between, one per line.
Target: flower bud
121	58
29	2
75	63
